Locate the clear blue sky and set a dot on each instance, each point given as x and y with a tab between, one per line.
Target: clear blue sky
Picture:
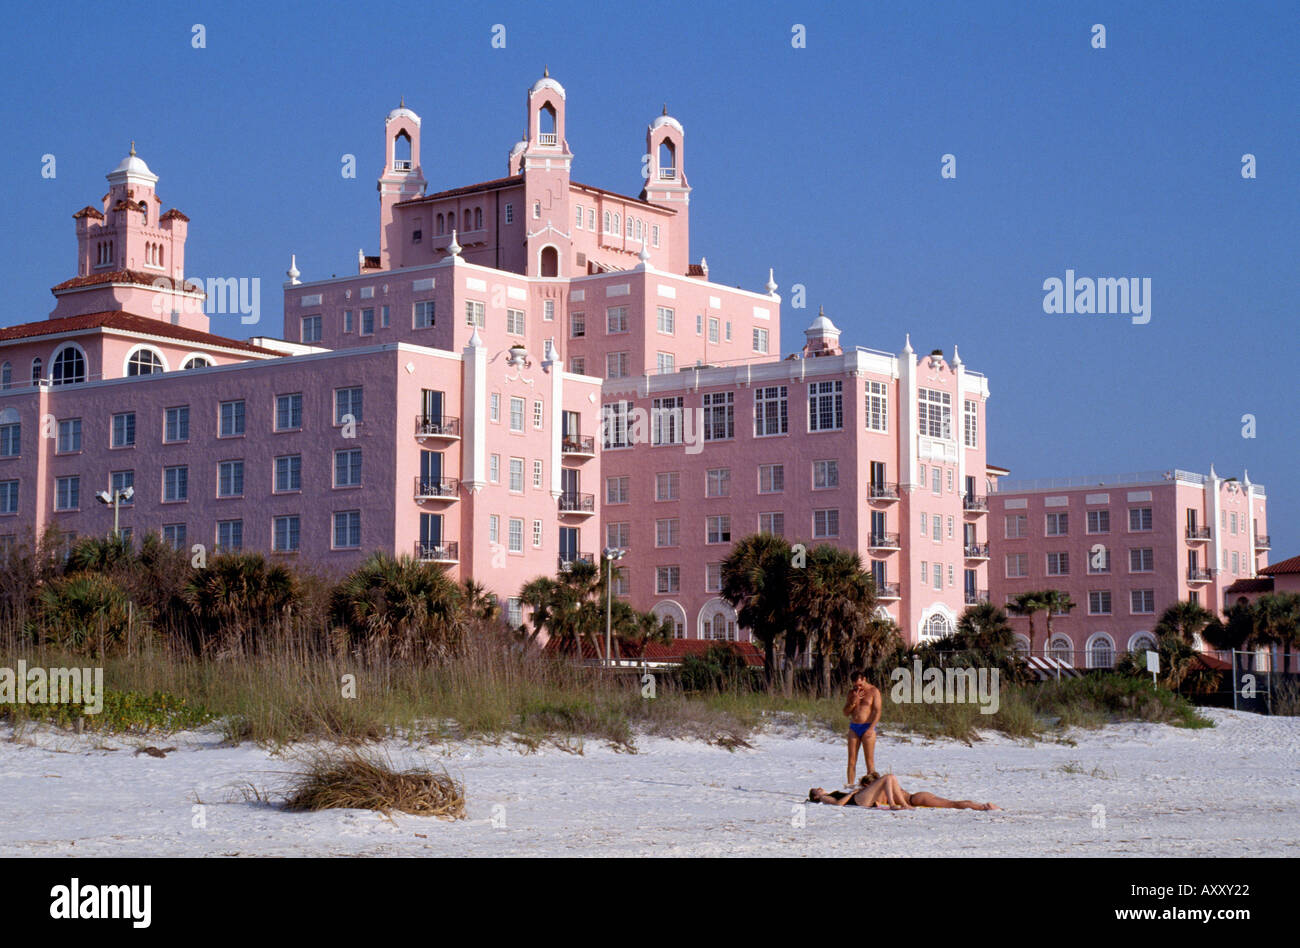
821	162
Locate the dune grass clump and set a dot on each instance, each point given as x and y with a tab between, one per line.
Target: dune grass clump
356	780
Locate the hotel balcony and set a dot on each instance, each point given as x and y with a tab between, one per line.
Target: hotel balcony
578	446
445	428
1262	542
976	596
882	493
883	541
975	503
579	505
1198	534
1199	574
977	551
448	552
439	488
566	561
888	592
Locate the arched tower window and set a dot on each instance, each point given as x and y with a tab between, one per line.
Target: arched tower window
196	362
546	125
68	367
442	224
6	376
618	223
36	370
467	220
667	160
550	262
144	213
402	152
144	362
158	252
478	218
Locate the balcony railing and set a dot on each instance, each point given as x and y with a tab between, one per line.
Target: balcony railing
548	138
401	164
1262	542
579	445
883	541
444	426
1198	533
976	596
1199	574
977	503
566	561
577	503
977	551
446	552
882	492
888	591
436	488
667	174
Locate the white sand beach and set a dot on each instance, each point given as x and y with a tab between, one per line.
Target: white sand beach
1231	790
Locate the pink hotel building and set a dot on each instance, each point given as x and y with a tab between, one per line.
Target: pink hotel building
529	370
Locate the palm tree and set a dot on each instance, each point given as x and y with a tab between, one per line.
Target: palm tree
833	598
1184	619
99	554
571	608
85	612
480	605
1276	620
1027	604
1055	602
755	581
402	608
237	597
985	626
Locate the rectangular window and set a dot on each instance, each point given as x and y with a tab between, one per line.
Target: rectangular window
347	530
577	325
948	478
347	401
1099	561
383	317
666	420
728	330
719	416
368	321
69	439
347	320
826	523
494	407
618	535
475	314
713	329
877	406
717	482
1017	565
760	340
667	485
516	414
591	218
935	414
538	413
310	329
1058	564
67	493
231	421
177	424
578	365
937	533
1142	601
668	579
494	468
667	532
120	481
1058	524
772	522
516	475
548	310
494	529
666	320
950	528
666	363
515	535
1099	602
515	322
230	479
288	412
347	468
615	365
925	525
1141	560
936	480
577	221
424	314
510	213
826	474
124	429
617	489
176	483
712	577
717	529
826	406
654	235
1099	521
771	478
770	411
173	534
230	536
537	475
971	417
288	473
1139	519
285	534
616	319
1017	526
537	534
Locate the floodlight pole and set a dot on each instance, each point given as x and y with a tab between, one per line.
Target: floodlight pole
611	554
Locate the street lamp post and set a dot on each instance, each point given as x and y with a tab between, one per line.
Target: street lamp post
114	500
611	554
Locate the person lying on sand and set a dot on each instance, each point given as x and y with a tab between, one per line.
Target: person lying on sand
863	711
885	792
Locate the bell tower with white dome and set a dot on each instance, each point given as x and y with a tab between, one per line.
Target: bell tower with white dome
666	185
546	163
402	178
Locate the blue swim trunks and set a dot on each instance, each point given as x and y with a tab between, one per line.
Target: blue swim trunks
860	729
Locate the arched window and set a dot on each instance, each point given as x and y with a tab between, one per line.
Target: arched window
546	124
1101	651
144	362
144	212
197	362
441	224
673	611
6	376
402	152
69	366
158	253
550	262
1062	649
606	222
1022	645
478	218
618	224
628	232
467	220
638	228
37	365
1142	642
667	159
936	627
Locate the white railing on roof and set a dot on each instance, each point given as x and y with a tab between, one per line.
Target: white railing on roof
1099	480
548	138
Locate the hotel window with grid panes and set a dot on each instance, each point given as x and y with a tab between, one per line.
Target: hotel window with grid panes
69	438
826	474
826	406
310	330
124	429
288	412
516	475
285	534
347	401
772	522
666	420
578	324
668	485
971	417
719	416
826	523
615	419
347	468
176	484
1139	519
1017	526
424	314
717	529
717	482
230	479
347	530
1141	560
230	536
1057	524
516	414
760	340
617	489
231	420
1017	565
515	535
666	320
1099	521
1142	601
1099	602
1099	561
176	426
668	532
515	322
771	478
668	579
288	473
1058	564
876	409
618	536
616	365
770	410
616	319
666	363
934	411
475	314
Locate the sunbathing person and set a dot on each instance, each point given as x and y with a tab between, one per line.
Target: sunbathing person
885	792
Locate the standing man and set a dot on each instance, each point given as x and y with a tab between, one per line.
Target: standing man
863	711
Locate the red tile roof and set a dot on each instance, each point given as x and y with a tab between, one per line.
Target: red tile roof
1250	586
1283	567
119	276
89	211
468	189
695	270
1211	662
125	322
174	213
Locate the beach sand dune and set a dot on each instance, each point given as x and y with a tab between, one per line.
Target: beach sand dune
1127	789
